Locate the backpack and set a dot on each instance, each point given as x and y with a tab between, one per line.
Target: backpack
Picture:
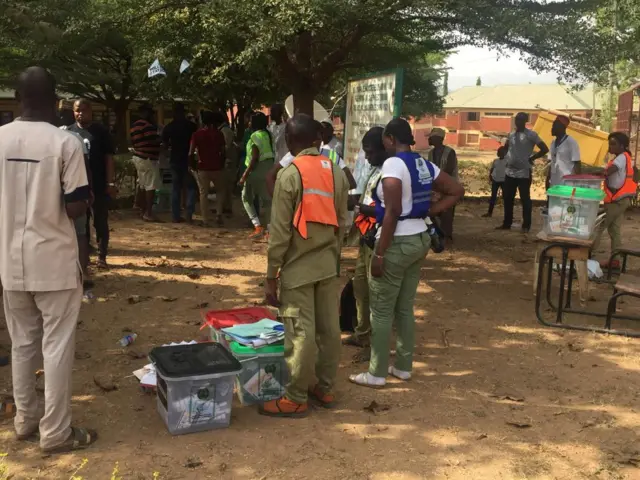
348	308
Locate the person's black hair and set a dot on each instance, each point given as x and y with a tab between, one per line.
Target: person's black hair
523	114
219	118
373	138
259	122
622	139
303	128
179	109
145	108
400	129
276	110
36	86
82	101
208	118
65	118
327	125
502	151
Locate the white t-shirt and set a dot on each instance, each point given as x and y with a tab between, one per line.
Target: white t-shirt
361	173
394	167
616	180
498	169
289	158
563	159
334	144
279	143
41	168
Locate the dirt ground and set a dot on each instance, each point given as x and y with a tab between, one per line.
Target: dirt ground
494	394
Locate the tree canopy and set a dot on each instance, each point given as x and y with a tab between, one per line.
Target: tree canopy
252	52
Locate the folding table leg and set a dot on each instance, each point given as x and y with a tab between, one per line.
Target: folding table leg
563	274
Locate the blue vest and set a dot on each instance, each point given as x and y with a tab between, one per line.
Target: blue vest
422	174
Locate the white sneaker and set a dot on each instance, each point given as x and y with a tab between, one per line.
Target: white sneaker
367	380
399	374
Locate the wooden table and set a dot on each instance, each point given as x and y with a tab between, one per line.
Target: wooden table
574	254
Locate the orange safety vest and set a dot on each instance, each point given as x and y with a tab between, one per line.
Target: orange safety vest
629	187
364	223
317	204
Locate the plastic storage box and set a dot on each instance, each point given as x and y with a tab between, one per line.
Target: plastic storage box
216	320
583	181
264	373
572	211
195	386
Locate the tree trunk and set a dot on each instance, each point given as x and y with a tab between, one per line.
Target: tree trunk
240	127
303	101
120	108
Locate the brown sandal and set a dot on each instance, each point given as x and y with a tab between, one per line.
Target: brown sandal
7	408
79	439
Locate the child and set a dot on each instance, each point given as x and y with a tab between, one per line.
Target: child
496	176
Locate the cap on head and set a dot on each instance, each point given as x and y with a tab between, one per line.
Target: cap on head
563	120
438	133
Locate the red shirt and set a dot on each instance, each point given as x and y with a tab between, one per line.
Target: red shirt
211	149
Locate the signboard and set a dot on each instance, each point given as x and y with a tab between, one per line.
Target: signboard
371	101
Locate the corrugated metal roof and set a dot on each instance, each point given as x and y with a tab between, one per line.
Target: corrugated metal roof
522	97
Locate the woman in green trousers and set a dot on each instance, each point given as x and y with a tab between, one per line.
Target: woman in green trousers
403	201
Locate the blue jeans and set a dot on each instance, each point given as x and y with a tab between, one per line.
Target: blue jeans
181	178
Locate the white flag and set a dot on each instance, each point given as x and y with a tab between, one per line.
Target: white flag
184	65
156	69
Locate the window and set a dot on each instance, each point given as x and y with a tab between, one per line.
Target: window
498	114
473	138
6	117
473	116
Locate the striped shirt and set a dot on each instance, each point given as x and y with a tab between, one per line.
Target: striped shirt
145	140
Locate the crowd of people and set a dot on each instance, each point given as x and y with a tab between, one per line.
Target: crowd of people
296	190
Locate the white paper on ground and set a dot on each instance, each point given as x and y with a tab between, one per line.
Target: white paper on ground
594	269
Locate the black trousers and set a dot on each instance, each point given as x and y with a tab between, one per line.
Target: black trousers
495	187
100	213
523	186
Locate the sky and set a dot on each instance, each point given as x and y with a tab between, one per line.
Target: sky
469	63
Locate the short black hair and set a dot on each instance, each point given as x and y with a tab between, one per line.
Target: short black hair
621	138
302	128
219	117
36	85
178	108
208	117
259	121
502	151
400	129
373	138
145	108
82	101
327	125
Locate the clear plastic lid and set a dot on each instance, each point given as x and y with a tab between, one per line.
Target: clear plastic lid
565	191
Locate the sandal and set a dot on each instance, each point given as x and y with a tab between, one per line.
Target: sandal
152	219
354	341
7	408
101	264
79	439
366	380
